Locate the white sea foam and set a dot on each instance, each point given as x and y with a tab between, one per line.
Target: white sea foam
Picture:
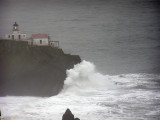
84	78
91	95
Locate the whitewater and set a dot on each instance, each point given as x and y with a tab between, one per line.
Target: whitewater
91	95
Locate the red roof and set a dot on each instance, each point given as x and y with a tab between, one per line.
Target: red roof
39	35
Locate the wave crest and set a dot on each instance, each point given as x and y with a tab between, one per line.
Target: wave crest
84	77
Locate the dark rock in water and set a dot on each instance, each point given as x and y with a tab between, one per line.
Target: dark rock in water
69	116
76	119
32	71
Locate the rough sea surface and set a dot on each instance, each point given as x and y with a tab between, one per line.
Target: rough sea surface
91	95
120	41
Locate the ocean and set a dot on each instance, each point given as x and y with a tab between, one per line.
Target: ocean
118	41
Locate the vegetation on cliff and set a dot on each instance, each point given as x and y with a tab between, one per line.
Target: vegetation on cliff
32	70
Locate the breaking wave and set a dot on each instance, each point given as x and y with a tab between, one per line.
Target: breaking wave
84	78
91	95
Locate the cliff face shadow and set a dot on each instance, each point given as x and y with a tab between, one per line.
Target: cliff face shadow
32	70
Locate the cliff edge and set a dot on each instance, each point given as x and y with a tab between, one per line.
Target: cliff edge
32	70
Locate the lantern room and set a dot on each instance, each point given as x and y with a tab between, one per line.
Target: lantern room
15	27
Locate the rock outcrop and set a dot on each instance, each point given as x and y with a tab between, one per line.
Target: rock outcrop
69	116
32	70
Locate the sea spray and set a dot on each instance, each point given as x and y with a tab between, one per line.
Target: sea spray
84	78
91	95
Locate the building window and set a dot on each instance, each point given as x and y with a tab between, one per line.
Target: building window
40	41
19	36
13	37
8	36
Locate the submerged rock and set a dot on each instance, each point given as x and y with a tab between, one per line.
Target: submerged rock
69	116
32	71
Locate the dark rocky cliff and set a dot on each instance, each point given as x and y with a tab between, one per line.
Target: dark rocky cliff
32	71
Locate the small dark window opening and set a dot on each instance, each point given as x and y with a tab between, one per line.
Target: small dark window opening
19	37
40	41
13	37
8	36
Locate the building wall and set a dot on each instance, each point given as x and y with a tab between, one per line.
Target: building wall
8	36
40	41
24	36
54	44
51	44
16	36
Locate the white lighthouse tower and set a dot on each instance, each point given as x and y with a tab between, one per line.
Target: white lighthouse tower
16	34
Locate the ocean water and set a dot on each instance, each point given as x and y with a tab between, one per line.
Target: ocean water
91	95
119	36
119	39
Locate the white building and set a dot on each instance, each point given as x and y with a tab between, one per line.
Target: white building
54	43
16	34
40	39
34	40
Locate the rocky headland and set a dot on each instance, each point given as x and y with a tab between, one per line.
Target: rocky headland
32	70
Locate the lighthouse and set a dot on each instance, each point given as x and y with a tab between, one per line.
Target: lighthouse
15	27
16	33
